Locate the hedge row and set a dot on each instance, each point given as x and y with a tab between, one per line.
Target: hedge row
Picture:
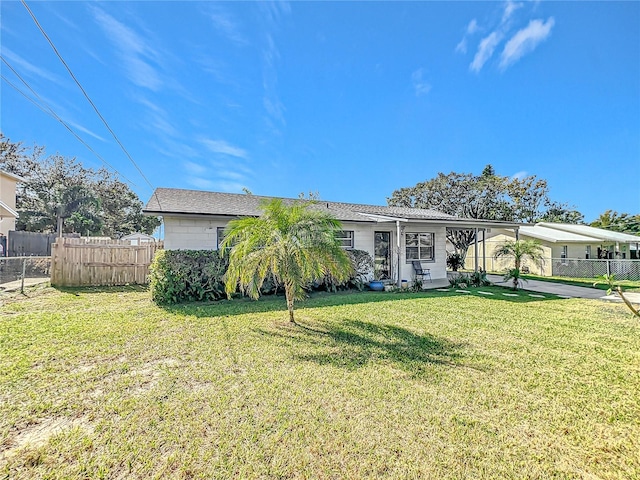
187	275
198	275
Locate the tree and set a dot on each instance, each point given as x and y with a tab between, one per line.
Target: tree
618	222
487	196
561	213
61	195
292	244
519	250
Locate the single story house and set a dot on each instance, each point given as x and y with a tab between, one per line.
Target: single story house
138	238
563	242
393	236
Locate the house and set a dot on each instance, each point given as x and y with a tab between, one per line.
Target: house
394	236
8	213
138	238
564	243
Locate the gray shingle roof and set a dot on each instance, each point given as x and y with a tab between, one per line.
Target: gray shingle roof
166	201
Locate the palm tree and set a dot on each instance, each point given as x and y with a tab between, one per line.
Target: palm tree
292	244
519	250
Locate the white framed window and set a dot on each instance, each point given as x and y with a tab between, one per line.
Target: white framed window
420	246
220	233
345	238
564	254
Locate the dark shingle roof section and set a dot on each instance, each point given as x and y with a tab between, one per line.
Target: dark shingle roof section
172	200
165	201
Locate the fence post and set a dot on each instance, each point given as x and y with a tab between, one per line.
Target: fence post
24	272
608	267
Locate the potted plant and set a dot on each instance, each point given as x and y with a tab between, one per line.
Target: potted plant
377	284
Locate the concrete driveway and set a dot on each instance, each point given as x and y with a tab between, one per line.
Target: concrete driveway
568	291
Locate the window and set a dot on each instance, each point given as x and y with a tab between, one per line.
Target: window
220	232
564	254
345	238
420	246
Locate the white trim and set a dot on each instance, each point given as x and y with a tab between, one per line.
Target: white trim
12	176
12	212
382	218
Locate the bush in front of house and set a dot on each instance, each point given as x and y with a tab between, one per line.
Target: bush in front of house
362	268
187	275
198	275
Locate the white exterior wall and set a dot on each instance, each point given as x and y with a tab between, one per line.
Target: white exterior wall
191	233
8	196
438	266
200	233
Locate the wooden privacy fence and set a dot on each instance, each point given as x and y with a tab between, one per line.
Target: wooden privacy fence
75	262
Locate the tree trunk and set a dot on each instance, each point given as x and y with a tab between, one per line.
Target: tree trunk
288	292
59	225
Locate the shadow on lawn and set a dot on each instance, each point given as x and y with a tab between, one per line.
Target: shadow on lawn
276	303
353	344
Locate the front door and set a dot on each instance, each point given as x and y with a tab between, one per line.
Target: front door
382	256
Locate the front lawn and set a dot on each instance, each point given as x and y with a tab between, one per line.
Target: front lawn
104	384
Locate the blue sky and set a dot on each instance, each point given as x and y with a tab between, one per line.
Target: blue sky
352	100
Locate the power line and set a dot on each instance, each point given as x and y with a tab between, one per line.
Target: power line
52	113
85	93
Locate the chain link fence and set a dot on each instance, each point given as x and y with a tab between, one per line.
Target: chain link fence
592	268
16	271
570	267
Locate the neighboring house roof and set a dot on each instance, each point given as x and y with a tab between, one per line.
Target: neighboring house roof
171	201
139	236
569	233
555	236
598	233
7	211
12	176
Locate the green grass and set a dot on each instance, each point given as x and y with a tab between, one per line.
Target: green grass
104	384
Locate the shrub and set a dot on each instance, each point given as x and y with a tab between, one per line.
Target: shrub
362	268
455	261
187	275
479	279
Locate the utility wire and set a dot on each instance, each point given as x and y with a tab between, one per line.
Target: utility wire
85	93
52	113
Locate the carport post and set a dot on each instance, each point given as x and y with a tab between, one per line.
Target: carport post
475	243
484	249
398	247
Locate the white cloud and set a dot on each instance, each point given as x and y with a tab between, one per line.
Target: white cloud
462	45
519	175
26	66
487	45
195	168
472	27
133	49
525	41
226	24
77	126
509	8
220	146
420	86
